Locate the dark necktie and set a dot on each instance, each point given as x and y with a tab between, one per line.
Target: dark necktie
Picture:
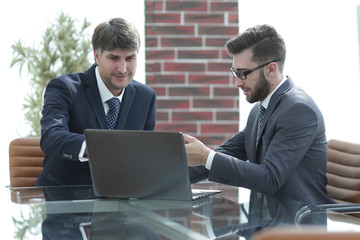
112	114
256	209
260	120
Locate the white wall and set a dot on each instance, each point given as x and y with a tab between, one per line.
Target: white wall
27	20
322	55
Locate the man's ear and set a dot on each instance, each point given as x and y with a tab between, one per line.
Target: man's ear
96	56
272	68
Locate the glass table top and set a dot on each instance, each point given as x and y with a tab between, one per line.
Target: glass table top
73	212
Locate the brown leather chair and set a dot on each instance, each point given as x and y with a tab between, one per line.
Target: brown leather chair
25	161
304	234
343	171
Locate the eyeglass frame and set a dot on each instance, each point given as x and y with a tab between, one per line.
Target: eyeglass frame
243	75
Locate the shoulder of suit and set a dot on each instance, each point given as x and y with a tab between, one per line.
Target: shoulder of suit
140	86
285	87
71	80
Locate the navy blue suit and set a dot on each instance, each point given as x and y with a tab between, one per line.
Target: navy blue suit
72	103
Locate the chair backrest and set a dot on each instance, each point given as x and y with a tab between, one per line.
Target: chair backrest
25	161
343	171
303	234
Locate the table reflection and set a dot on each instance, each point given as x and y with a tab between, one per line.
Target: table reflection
74	213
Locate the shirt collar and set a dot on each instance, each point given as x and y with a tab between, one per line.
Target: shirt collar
105	93
266	101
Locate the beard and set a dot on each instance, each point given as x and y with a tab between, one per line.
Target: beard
260	91
112	84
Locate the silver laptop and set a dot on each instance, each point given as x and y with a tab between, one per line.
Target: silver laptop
140	165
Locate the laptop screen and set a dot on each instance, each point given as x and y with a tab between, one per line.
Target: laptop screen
138	164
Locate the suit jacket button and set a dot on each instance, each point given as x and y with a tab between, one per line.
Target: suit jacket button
69	156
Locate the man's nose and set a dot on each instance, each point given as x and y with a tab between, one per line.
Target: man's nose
239	82
122	66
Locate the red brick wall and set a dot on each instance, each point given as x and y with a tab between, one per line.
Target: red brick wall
187	66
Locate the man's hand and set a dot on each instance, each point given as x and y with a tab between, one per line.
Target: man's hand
196	151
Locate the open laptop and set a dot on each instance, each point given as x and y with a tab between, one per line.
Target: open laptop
140	164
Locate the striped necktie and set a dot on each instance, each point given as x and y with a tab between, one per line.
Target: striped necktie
260	120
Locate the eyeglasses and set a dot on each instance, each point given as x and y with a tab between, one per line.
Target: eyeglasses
243	75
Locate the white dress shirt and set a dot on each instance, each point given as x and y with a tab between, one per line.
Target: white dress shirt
105	95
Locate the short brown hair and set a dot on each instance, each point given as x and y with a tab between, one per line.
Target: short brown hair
116	33
265	42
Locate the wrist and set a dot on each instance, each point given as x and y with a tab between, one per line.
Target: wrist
206	155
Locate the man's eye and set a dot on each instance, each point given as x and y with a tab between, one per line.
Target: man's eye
113	58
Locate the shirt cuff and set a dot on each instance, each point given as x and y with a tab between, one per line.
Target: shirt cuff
81	153
210	159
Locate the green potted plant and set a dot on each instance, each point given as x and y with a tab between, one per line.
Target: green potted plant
63	49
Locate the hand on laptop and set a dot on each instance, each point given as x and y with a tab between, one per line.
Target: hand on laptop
196	151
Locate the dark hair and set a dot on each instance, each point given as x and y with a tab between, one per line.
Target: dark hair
116	33
265	42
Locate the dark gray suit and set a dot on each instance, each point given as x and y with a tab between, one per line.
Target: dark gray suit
290	157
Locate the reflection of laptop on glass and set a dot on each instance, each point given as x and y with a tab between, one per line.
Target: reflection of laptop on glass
139	164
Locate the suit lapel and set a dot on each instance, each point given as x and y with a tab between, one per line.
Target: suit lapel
275	99
93	95
125	106
272	105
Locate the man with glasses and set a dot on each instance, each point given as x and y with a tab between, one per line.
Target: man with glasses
283	149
